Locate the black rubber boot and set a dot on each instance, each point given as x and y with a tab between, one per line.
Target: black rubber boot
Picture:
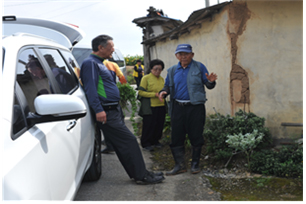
178	155
196	154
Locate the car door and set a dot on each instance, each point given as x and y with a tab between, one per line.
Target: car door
80	135
47	157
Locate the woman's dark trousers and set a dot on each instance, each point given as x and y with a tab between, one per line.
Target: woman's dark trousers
153	125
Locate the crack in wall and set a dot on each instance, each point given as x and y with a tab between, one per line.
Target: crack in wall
239	14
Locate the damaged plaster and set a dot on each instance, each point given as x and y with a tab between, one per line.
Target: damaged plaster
239	14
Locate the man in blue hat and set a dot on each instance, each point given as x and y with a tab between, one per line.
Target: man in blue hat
185	83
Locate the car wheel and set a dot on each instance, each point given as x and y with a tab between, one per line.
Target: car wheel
95	169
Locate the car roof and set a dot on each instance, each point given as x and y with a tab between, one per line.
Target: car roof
18	40
70	33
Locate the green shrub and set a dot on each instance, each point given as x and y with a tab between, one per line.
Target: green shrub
245	143
288	162
223	155
131	79
263	162
167	130
128	95
218	126
131	60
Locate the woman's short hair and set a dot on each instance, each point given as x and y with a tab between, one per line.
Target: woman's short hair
156	62
100	40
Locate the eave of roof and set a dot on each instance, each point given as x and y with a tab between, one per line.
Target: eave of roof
142	21
194	21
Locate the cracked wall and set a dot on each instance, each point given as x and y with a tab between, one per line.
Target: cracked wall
239	79
256	49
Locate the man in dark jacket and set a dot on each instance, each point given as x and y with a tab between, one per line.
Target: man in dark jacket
103	97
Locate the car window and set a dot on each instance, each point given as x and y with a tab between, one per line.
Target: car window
18	117
73	64
80	54
119	60
63	75
31	77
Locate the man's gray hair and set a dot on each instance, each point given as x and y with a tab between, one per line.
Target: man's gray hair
100	40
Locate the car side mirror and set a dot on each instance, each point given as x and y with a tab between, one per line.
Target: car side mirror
56	107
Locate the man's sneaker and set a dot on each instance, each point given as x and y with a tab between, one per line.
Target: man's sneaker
150	178
159	173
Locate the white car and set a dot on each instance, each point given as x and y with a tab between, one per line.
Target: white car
50	142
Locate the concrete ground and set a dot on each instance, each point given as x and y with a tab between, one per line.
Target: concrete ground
115	185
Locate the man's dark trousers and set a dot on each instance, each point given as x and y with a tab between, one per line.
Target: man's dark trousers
187	119
124	143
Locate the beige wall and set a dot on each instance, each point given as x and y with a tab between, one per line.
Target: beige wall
256	50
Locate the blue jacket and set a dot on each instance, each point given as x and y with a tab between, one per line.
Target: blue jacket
195	84
98	83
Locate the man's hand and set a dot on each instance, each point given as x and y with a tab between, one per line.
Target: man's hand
212	77
161	95
101	117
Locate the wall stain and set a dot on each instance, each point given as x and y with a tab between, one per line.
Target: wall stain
239	14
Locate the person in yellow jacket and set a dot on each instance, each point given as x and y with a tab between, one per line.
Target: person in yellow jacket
138	72
76	70
113	66
152	110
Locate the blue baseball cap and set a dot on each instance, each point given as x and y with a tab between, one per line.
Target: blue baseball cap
183	48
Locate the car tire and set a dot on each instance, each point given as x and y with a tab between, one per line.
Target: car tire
95	170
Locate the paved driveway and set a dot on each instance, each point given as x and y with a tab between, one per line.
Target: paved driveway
115	185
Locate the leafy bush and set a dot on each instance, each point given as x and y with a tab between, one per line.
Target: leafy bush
245	143
222	155
218	126
288	162
128	95
167	129
131	60
131	79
